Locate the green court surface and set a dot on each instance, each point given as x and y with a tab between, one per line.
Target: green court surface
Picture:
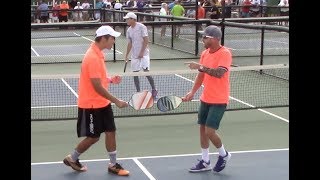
163	135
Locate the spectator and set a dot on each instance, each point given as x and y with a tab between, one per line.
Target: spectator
72	4
55	12
118	6
284	10
85	14
63	14
201	11
99	6
177	11
77	15
163	12
245	13
214	12
44	14
255	8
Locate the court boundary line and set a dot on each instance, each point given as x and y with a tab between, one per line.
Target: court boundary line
168	156
69	87
144	169
249	49
245	103
68	55
93	41
37	54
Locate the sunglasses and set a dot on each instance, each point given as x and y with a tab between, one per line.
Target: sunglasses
206	37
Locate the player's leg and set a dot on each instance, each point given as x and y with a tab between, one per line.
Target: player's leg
204	163
135	67
89	125
145	64
214	117
110	142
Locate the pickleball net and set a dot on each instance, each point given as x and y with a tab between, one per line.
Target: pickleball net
54	97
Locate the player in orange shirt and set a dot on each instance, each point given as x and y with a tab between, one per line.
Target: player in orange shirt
214	72
95	114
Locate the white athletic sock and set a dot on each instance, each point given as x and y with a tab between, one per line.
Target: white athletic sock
113	158
222	151
205	154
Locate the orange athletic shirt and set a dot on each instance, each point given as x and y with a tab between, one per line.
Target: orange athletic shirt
92	66
64	9
216	90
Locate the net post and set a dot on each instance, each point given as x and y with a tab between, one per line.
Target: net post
172	34
114	49
153	30
261	48
222	22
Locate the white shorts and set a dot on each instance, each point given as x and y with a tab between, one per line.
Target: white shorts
140	64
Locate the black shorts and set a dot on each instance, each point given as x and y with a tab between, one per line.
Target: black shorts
93	122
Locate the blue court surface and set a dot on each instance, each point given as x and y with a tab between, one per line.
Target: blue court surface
243	165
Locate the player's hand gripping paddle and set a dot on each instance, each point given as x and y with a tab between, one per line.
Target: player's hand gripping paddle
168	103
141	100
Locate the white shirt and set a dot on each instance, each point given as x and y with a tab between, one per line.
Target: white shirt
135	36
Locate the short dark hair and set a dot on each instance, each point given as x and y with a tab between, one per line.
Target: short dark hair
98	39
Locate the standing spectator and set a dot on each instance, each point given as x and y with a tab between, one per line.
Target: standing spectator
284	10
201	14
72	4
77	14
137	36
214	12
201	11
63	14
177	11
245	13
163	12
55	12
255	8
44	14
85	5
99	6
118	7
227	8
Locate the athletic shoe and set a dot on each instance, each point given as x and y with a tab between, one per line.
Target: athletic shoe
201	166
221	163
75	165
118	170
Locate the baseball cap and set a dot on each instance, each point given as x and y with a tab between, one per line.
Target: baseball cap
212	31
130	15
105	30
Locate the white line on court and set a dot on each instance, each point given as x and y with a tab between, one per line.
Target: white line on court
61	55
245	103
168	156
143	169
66	106
69	87
34	51
93	41
63	106
277	41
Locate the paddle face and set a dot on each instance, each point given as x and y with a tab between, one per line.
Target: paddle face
141	100
168	103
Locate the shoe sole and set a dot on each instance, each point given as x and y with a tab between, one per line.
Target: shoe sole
113	172
202	170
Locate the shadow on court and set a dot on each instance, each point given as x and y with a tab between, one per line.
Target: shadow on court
250	165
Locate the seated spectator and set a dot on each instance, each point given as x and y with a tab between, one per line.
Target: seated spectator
44	14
